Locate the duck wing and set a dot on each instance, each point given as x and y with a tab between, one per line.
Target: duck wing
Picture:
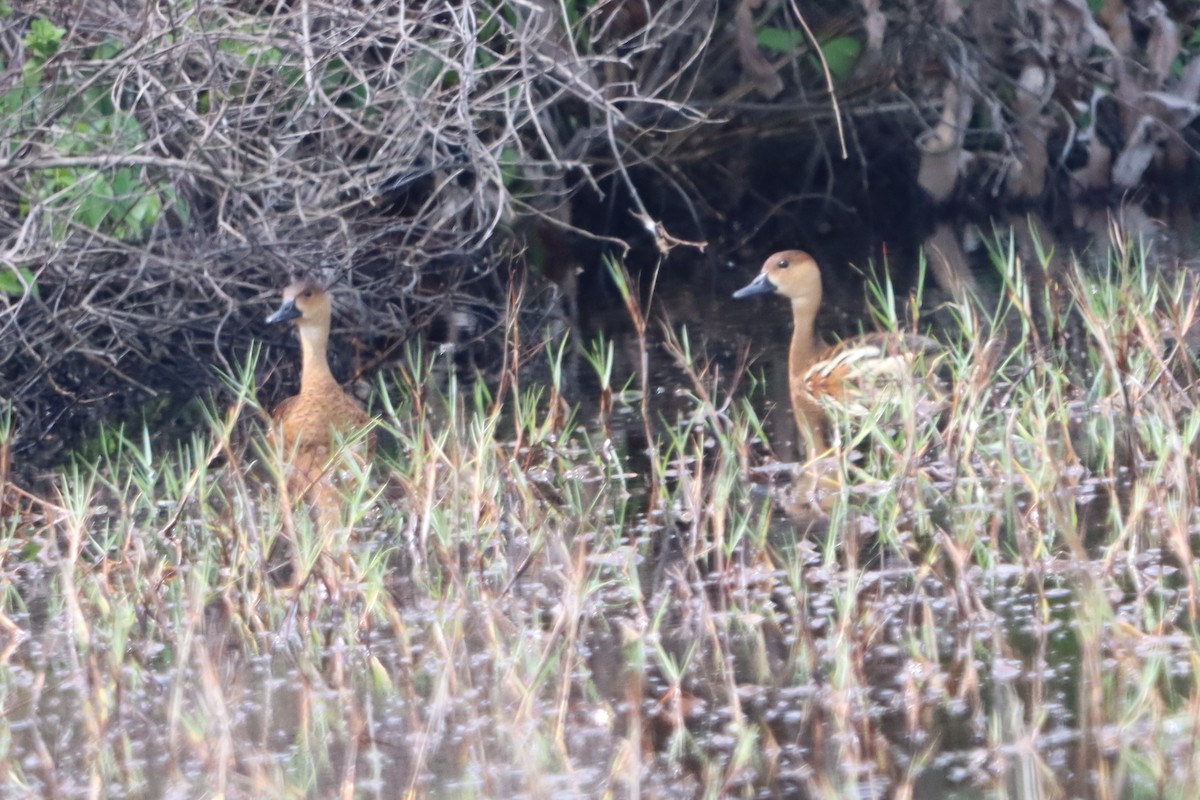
857	374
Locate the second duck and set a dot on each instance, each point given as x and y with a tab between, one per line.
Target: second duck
846	376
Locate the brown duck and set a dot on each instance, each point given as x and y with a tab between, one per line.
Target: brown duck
850	375
310	422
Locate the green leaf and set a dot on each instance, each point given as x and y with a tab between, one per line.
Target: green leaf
96	202
60	178
178	205
107	50
12	101
841	54
97	100
252	51
13	281
92	212
43	38
146	210
380	677
509	168
778	40
340	83
31	73
290	77
422	71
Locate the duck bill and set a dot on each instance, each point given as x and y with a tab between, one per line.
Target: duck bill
286	313
760	285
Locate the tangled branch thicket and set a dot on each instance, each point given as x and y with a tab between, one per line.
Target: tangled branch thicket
164	168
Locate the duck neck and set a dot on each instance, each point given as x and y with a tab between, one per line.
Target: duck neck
803	352
314	365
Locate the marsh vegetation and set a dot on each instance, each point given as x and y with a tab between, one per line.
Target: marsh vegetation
530	595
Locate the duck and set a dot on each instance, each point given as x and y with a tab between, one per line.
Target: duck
845	376
309	424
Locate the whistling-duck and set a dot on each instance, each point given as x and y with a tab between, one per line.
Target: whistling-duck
843	375
309	421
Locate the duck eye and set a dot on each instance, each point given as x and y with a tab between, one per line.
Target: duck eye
783	263
306	293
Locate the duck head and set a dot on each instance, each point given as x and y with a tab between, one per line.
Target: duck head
307	302
791	273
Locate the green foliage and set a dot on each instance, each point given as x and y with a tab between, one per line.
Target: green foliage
841	52
510	170
502	18
260	61
17	281
43	40
340	83
423	71
778	40
88	126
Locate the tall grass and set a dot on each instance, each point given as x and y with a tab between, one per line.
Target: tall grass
523	596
